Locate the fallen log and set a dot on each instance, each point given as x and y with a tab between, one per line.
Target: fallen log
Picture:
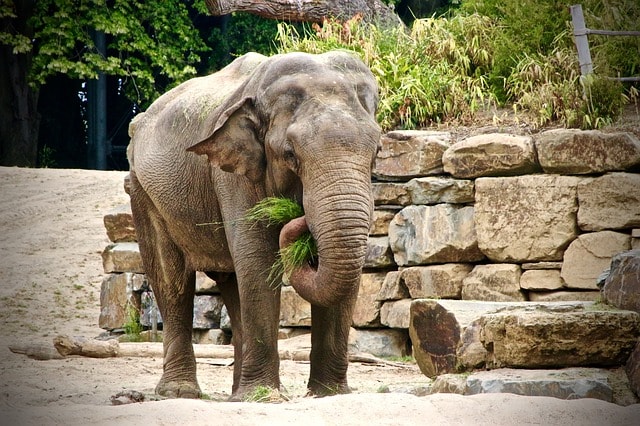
65	346
294	349
39	351
86	347
92	348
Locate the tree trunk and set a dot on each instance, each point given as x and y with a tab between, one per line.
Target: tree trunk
19	118
308	10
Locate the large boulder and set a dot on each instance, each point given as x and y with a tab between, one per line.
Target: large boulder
378	253
436	281
574	151
410	153
149	313
380	222
366	313
211	337
294	310
440	189
559	336
206	311
588	255
564	296
622	286
393	287
526	218
633	369
446	335
541	280
494	154
566	383
119	224
205	285
457	335
381	342
395	313
611	201
434	234
390	194
122	257
117	297
493	283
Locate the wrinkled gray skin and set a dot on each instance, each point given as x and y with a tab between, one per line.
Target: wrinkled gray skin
295	125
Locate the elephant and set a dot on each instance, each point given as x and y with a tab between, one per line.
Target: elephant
293	125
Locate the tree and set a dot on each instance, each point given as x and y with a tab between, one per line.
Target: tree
151	46
19	118
308	10
48	47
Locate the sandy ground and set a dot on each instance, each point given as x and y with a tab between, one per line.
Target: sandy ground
51	237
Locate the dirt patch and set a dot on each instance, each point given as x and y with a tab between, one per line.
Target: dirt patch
51	237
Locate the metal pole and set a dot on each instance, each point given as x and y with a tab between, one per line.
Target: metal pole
97	113
580	32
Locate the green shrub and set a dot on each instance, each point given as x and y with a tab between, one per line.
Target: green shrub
132	326
536	33
550	89
490	52
604	100
431	74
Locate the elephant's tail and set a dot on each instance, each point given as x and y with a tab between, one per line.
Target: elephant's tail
133	127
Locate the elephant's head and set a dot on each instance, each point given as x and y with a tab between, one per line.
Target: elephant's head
304	127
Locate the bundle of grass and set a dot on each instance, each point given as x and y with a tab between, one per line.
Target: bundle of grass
279	211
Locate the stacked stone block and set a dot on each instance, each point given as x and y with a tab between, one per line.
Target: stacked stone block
530	217
498	245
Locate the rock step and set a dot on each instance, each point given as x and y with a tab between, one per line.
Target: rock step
452	336
566	383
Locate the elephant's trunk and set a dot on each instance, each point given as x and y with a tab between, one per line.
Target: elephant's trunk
340	226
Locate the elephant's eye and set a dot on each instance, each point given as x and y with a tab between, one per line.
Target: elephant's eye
290	159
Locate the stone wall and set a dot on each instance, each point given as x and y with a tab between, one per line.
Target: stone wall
491	217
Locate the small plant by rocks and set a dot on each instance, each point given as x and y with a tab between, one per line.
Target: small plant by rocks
132	328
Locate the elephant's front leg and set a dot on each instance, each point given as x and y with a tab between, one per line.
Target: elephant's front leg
258	328
329	348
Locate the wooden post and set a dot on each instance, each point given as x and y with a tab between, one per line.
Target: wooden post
582	42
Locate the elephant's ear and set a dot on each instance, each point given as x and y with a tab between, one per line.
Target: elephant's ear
234	145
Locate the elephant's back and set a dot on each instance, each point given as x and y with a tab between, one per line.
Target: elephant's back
180	118
179	183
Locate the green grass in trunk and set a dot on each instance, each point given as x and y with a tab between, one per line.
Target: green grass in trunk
279	211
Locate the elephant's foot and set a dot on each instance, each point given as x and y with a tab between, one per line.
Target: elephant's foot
323	388
178	389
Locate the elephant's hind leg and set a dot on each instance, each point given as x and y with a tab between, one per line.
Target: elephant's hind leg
228	286
176	291
173	285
